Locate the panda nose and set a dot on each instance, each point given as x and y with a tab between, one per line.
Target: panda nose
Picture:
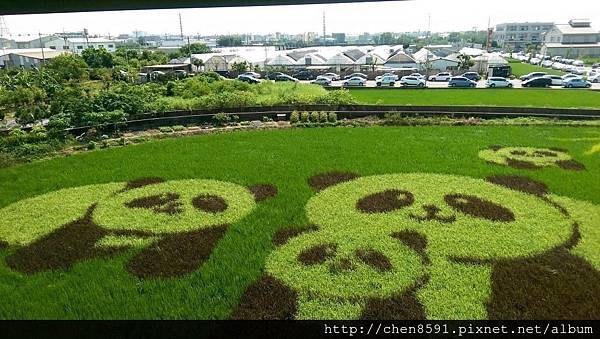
432	213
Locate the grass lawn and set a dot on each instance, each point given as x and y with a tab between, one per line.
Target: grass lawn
519	69
409	226
481	97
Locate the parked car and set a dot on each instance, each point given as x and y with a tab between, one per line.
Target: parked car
355	81
569	68
535	61
285	77
594	78
386	80
461	82
580	70
578	63
569	76
547	63
498	82
252	74
248	79
304	75
532	75
577	83
558	66
411	80
471	76
567	61
355	75
441	77
418	75
557	80
273	75
332	76
389	75
557	58
537	82
322	80
596	65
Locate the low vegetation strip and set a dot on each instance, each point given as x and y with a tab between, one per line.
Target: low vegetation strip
482	97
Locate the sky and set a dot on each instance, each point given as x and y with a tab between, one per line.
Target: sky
350	18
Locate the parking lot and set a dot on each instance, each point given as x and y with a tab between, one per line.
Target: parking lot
432	84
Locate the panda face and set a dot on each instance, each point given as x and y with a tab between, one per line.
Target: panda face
460	216
175	206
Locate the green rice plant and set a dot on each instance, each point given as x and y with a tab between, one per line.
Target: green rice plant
178	128
165	129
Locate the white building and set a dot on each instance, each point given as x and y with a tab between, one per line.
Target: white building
78	45
575	39
31	59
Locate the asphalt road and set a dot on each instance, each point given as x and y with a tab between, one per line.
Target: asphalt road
432	84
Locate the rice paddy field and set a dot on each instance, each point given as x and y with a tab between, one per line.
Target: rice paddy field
429	222
517	97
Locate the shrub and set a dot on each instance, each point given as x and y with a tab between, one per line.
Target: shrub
221	119
91	145
332	117
304	117
178	128
314	117
294	117
322	117
235	118
165	129
266	119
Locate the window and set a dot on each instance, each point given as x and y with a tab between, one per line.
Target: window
100	45
111	46
523	28
65	47
511	28
79	47
536	28
52	47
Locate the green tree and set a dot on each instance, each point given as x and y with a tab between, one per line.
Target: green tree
229	40
195	48
97	58
68	67
465	62
240	67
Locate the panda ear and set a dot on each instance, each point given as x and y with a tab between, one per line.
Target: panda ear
263	191
140	182
282	236
322	181
519	183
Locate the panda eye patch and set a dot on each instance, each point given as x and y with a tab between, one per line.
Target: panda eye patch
385	201
167	203
479	208
209	203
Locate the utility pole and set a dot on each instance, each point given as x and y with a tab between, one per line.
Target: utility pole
324	31
180	27
42	47
3	32
428	41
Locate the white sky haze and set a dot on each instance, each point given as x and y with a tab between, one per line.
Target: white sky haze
351	18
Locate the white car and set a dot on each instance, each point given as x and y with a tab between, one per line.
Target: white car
498	82
558	66
580	70
355	81
569	68
386	80
595	78
556	80
441	77
547	63
418	75
322	80
569	76
535	61
332	76
388	75
578	63
412	81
